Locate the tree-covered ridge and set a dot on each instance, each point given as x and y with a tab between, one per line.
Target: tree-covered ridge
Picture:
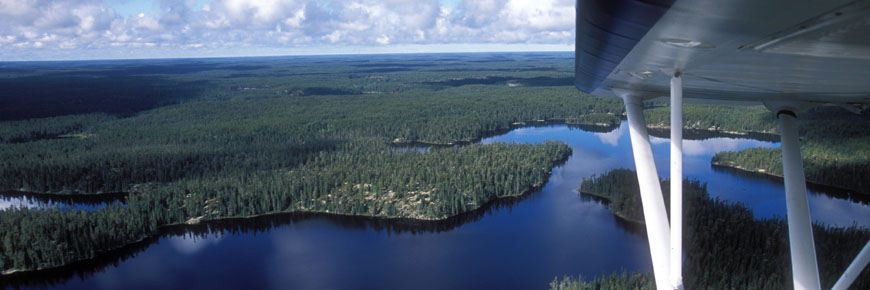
725	246
362	179
835	146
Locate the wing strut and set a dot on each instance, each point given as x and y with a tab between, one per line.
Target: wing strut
805	269
854	269
676	262
650	191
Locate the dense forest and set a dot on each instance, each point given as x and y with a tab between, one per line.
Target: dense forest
717	118
725	246
433	185
48	128
258	131
835	145
269	141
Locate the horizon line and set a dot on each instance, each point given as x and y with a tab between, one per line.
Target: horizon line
219	55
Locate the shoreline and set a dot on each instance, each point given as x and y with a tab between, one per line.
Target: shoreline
764	173
744	133
201	221
655	130
606	199
512	126
689	133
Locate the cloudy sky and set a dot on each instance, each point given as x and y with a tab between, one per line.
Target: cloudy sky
101	29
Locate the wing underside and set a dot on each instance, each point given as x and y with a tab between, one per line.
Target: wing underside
734	50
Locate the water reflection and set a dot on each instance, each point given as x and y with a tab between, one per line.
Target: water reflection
9	202
710	147
411	148
189	243
20	199
612	137
695	134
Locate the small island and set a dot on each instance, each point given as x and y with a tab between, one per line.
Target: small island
725	246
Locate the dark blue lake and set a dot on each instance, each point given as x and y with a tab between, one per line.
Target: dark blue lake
520	243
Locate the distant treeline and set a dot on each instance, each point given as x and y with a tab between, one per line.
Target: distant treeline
725	246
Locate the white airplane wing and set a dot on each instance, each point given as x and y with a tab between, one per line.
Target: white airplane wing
735	50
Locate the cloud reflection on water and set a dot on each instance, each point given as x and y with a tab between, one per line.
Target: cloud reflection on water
711	146
612	137
18	202
191	244
835	212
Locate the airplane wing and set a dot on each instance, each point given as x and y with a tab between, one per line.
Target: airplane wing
734	50
785	54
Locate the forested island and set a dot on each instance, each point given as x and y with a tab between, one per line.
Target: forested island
428	186
725	246
835	143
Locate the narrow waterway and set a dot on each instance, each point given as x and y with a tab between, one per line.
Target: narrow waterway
520	243
764	195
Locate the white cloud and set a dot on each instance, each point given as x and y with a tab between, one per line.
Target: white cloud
70	28
478	14
541	15
243	14
383	39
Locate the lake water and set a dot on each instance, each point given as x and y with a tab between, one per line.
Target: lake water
520	243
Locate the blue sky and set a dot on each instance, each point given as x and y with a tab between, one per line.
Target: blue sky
112	29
